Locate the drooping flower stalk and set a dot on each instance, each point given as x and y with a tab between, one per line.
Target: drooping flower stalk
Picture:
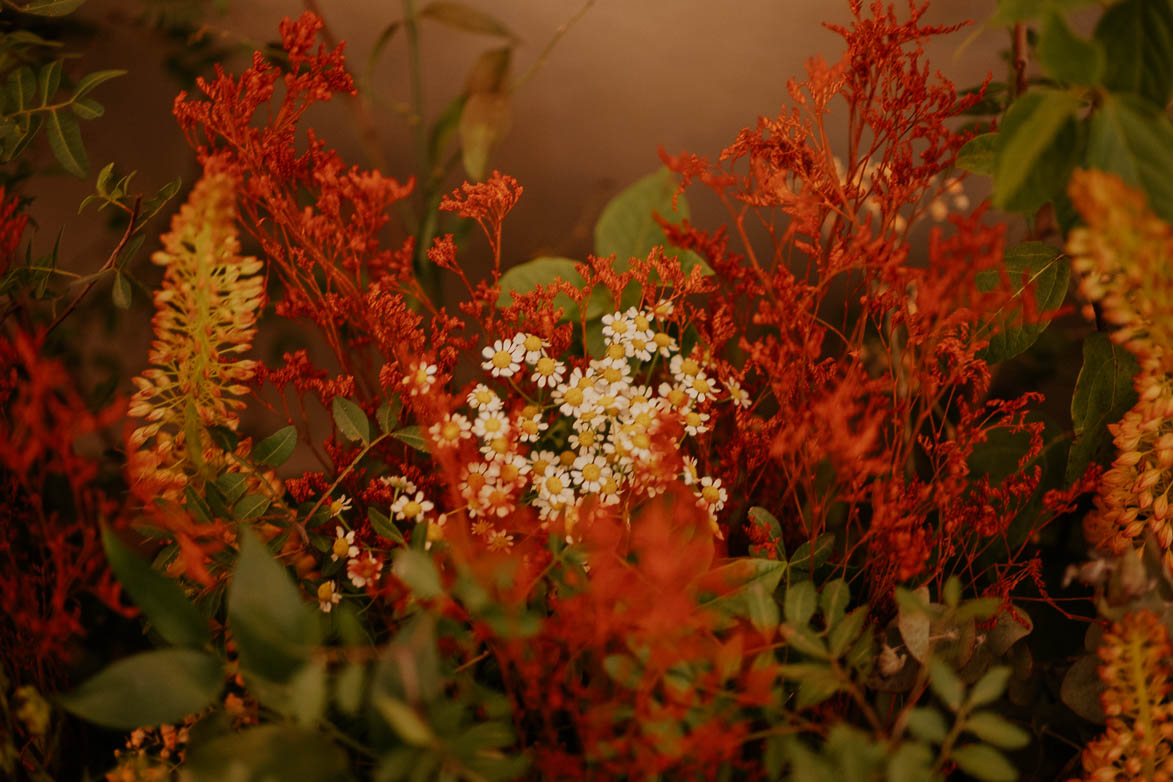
1137	742
206	312
1123	260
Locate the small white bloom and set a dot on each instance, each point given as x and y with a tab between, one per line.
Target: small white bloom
548	372
407	508
504	357
450	430
328	596
533	345
344	546
483	398
490	424
420	378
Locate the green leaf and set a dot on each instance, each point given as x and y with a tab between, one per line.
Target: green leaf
484	121
87	108
977	156
846	631
761	608
984	762
1040	142
816	687
272	625
525	277
990	687
275	449
48	80
464	17
808	558
351	421
833	599
627	229
1010	11
800	603
413	436
387	416
160	198
1068	58
1082	687
120	292
416	569
51	7
151	688
1103	394
994	729
22	85
1030	264
1134	139
404	720
65	141
911	763
945	683
92	80
267	752
927	724
160	599
232	485
250	506
1138	38
384	527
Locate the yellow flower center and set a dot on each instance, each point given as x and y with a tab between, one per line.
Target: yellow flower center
641	441
619	327
661	339
484	395
412	509
554	485
641	323
688	366
573	397
612	375
545	366
492	424
509	473
711	494
616	351
677	397
533	343
693	419
341	547
326	591
587	437
450	430
540	467
567	458
591	472
502	359
700	385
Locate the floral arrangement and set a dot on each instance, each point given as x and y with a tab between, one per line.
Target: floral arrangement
782	498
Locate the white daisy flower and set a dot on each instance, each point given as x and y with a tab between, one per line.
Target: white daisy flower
344	547
420	379
590	472
504	357
450	430
711	494
490	424
533	345
616	327
363	571
407	508
483	398
548	372
328	596
737	395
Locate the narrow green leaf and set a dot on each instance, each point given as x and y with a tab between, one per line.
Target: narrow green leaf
800	603
945	683
404	720
927	724
761	608
272	625
384	527
985	763
251	506
232	485
120	292
484	121
810	558
387	416
413	436
846	631
1134	139
87	108
833	599
92	80
816	688
22	85
156	202
1103	394
994	729
464	17
48	80
351	421
1068	58
152	688
275	449
990	687
65	141
1038	149
51	7
977	156
160	599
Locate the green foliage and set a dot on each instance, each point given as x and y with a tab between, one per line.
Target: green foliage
1103	393
351	421
1032	266
1138	38
525	277
1040	141
275	449
151	688
161	600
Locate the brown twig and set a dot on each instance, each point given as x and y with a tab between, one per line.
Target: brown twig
109	264
1019	59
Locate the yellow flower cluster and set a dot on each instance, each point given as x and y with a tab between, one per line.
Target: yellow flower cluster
206	313
1124	261
1136	743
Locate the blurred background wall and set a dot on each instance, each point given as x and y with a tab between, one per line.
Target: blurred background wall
628	76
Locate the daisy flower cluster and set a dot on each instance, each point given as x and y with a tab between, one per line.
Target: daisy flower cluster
607	431
364	566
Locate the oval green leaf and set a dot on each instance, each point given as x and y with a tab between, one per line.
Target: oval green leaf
275	449
351	421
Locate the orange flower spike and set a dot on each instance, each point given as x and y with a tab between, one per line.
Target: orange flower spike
1138	740
206	313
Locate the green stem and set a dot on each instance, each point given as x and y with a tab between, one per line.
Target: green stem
341	477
